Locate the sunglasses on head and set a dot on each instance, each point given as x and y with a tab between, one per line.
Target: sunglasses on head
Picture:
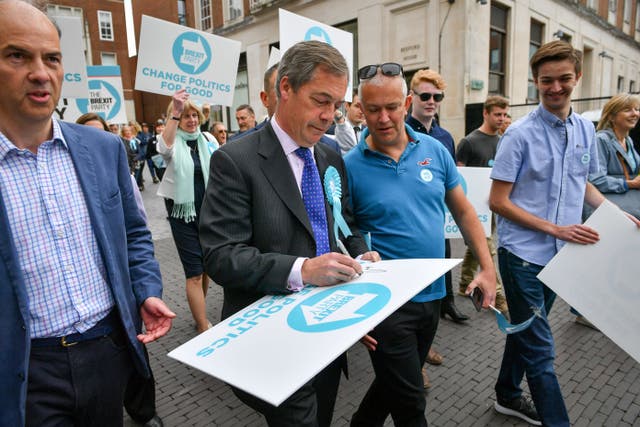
388	69
425	96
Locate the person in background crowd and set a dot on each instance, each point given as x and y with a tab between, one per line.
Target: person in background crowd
187	152
505	124
158	163
206	111
618	159
219	131
348	129
131	145
77	272
246	119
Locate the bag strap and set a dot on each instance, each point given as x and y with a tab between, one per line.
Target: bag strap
623	163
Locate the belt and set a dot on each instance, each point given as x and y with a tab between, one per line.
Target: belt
101	329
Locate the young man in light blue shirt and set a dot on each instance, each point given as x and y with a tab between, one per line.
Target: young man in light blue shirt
539	186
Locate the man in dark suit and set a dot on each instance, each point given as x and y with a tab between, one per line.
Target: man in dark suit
77	271
260	227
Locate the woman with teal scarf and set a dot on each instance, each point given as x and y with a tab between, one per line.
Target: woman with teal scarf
187	151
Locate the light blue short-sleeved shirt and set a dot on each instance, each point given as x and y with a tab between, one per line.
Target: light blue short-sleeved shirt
402	203
548	161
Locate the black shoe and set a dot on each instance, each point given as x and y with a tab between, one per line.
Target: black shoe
155	180
522	407
156	421
449	307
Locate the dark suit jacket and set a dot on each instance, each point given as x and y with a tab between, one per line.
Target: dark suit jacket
253	223
127	252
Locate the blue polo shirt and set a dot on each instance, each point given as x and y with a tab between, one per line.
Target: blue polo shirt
548	161
402	203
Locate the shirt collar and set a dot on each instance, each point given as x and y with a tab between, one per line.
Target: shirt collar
287	143
552	119
7	146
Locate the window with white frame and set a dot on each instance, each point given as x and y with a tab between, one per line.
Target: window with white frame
233	10
56	10
106	25
498	50
182	12
205	15
535	41
632	86
108	58
593	4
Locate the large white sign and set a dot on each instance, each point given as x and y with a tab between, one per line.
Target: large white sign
73	60
173	57
476	183
274	346
106	97
295	28
601	280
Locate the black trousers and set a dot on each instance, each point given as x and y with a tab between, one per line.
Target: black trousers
140	395
310	406
81	385
403	339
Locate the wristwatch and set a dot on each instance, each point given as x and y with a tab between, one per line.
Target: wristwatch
177	119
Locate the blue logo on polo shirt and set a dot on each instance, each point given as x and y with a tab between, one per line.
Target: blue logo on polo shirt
317	33
338	307
191	53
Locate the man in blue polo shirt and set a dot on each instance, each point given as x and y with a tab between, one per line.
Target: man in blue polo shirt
539	185
399	181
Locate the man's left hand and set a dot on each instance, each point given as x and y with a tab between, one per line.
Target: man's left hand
156	317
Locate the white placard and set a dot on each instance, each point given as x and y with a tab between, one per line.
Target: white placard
73	60
476	183
601	280
172	57
274	346
106	97
295	28
274	57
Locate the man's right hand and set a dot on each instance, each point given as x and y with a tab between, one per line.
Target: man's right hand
330	269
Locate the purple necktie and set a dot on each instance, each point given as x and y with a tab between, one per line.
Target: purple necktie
313	198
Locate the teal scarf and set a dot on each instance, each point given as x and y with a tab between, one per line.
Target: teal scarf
183	200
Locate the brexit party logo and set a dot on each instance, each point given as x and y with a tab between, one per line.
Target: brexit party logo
338	307
103	100
317	33
191	53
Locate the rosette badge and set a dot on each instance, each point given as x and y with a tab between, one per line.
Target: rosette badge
333	190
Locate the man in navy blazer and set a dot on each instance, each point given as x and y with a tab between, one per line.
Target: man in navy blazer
77	271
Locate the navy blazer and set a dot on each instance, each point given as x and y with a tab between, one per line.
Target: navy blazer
125	245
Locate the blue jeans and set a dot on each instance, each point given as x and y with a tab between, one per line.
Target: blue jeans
530	351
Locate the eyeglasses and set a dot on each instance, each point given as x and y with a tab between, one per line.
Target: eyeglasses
425	96
388	69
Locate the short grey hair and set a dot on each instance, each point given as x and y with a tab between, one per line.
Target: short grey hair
380	80
300	62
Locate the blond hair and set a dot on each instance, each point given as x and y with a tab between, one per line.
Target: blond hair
616	104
